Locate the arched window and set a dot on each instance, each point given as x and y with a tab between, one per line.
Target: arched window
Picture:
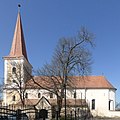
75	94
51	95
26	95
39	95
13	98
14	81
14	70
111	105
93	104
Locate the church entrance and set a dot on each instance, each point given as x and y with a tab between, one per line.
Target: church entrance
43	114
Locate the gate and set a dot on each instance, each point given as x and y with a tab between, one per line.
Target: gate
43	113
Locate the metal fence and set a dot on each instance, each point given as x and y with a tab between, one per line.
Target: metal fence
11	113
26	113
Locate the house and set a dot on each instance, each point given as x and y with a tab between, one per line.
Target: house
95	92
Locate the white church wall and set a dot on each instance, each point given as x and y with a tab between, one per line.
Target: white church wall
33	93
112	99
101	97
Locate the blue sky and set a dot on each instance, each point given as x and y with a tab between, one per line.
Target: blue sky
45	21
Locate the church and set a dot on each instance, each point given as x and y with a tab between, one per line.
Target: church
95	92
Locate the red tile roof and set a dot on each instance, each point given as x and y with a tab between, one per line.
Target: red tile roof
29	102
18	48
69	102
53	102
91	82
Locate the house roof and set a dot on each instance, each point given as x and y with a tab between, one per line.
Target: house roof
70	102
18	48
78	82
53	102
92	82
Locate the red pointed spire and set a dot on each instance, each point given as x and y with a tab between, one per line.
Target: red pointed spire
18	48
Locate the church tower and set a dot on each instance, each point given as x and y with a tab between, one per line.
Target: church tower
17	69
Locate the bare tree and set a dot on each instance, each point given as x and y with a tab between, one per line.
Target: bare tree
71	57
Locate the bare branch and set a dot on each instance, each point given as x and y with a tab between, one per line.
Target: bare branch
71	57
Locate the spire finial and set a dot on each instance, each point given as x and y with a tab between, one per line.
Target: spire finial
19	7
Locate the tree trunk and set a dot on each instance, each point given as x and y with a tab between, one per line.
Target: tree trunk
59	105
22	100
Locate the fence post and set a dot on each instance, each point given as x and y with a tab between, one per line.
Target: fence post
56	112
78	113
71	115
18	114
75	115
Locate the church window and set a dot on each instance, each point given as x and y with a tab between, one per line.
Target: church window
14	70
51	95
74	94
93	104
26	95
13	98
109	104
14	81
39	95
